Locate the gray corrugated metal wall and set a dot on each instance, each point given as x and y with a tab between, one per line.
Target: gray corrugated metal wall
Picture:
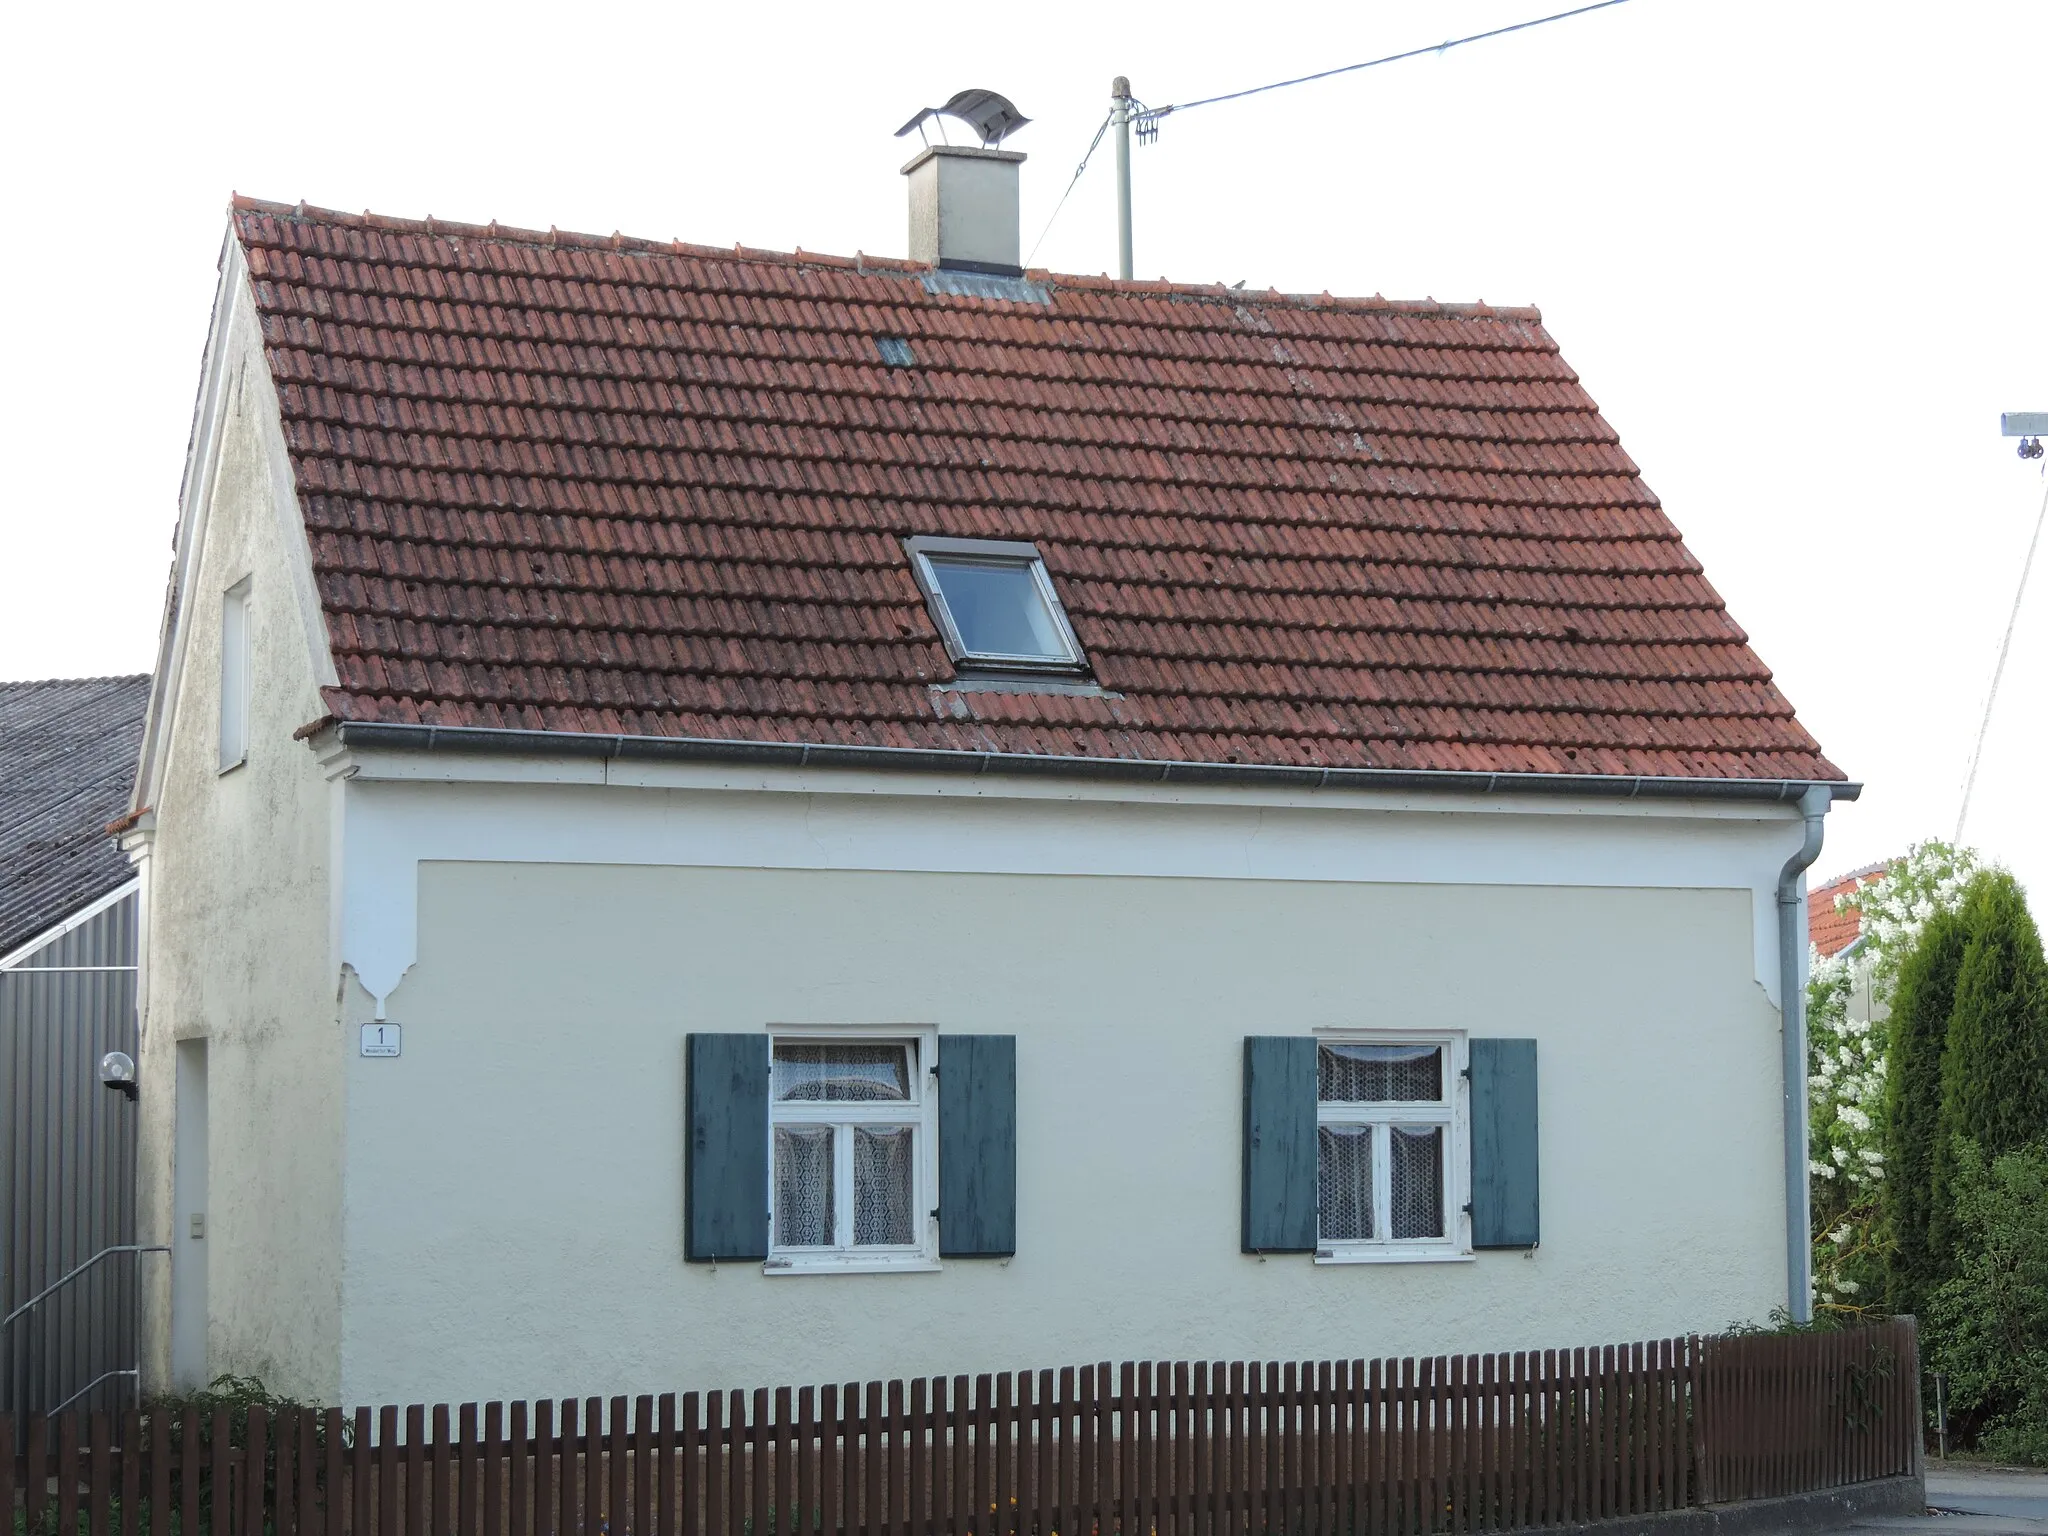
67	1165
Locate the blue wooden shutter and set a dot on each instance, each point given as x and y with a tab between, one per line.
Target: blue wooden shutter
1505	1207
1279	1144
977	1146
725	1158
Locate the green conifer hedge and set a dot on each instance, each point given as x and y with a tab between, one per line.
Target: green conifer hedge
1912	1107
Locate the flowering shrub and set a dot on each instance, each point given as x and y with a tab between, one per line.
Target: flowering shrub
1846	1067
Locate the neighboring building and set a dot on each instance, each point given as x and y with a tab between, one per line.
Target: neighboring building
68	920
1841	933
718	818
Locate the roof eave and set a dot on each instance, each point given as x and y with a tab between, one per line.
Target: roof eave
578	744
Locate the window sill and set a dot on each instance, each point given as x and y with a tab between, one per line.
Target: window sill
915	1265
1391	1256
227	768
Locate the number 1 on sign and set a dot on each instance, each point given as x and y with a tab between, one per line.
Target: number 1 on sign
382	1039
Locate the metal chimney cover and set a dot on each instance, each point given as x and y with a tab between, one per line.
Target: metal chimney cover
994	117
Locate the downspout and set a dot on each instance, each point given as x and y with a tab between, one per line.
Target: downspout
1813	805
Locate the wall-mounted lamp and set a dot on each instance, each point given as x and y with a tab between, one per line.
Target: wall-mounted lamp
117	1071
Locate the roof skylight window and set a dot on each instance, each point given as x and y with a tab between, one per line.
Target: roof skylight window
895	351
995	605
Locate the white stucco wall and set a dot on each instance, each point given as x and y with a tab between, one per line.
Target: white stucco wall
514	1181
237	943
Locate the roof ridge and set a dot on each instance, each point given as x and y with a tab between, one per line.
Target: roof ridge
860	261
1880	868
64	682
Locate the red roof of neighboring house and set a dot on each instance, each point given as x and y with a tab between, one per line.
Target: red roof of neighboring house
1830	931
603	485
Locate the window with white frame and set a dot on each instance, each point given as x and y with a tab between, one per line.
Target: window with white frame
852	1177
234	675
1390	1147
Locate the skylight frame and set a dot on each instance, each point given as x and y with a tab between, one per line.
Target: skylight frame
994	552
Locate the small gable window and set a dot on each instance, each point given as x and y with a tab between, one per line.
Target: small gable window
995	606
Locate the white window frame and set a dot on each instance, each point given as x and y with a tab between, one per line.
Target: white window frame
235	670
1453	1113
921	1114
998	552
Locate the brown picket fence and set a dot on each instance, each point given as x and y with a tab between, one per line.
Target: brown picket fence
1405	1447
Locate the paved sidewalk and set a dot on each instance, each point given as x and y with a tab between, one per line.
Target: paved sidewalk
1975	1501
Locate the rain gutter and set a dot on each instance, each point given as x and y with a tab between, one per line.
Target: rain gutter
1792	941
489	741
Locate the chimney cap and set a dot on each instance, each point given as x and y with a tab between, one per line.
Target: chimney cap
995	117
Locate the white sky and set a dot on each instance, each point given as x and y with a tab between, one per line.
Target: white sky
1798	251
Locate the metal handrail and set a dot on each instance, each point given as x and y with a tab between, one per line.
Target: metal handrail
57	1285
133	1370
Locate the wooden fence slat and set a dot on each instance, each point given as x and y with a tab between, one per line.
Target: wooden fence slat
917	1464
608	1462
1486	1424
554	1480
1373	1452
782	1516
98	1482
1321	1414
536	1455
491	1470
513	1463
284	1438
306	1461
160	1508
67	1472
1458	1503
1435	1417
1525	1505
1047	1506
463	1512
1170	1449
1504	1496
690	1480
831	1476
1430	1502
128	1521
942	1409
958	1473
873	1521
639	1440
1676	1397
1087	1471
984	1457
805	1455
435	1520
738	1442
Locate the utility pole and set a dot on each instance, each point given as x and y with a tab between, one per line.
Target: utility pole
1120	115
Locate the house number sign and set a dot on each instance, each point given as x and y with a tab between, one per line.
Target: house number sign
382	1039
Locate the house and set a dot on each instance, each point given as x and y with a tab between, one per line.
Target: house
715	817
1841	933
68	924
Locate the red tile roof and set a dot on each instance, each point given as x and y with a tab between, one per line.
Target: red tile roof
600	485
1830	931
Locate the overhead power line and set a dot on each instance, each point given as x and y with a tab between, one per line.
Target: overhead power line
1153	114
1998	672
1093	145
